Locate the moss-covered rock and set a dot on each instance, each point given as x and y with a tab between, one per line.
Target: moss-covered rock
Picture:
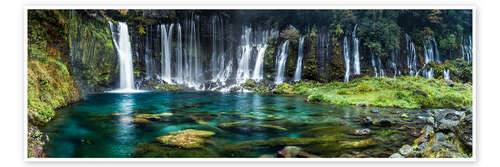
250	127
155	150
188	138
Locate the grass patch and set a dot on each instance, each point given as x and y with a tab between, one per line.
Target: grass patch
401	92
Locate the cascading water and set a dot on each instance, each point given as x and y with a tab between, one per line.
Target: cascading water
393	63
261	45
322	51
281	62
179	62
245	50
446	74
218	59
121	40
347	60
166	47
355	52
466	48
411	56
377	65
192	75
431	54
300	56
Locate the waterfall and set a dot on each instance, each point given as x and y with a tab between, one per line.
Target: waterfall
261	45
466	48
218	58
190	74
411	56
393	63
446	74
281	63
346	59
376	62
322	52
179	61
300	56
148	57
355	51
245	50
166	47
121	40
431	54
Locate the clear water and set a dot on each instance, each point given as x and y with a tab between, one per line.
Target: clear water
88	128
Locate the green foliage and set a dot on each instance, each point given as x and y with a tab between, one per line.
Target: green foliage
388	92
166	87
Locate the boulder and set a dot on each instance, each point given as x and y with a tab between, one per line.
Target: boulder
293	150
448	119
464	131
405	150
396	155
188	138
367	121
374	111
283	154
360	132
384	123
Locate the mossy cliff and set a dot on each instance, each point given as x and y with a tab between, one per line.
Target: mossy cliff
69	53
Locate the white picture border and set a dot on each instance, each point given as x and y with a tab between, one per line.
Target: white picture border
267	7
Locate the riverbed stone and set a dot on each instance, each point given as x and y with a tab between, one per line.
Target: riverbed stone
464	131
448	119
396	155
188	138
405	150
360	132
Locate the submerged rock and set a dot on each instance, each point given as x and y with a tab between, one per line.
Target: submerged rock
293	150
360	132
384	123
374	111
155	150
359	144
249	127
153	117
367	121
188	138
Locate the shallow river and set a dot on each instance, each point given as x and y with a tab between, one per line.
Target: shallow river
102	126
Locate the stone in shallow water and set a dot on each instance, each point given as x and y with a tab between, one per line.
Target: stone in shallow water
359	144
360	132
405	150
249	127
396	155
188	138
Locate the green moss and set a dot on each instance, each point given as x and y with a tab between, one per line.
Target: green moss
399	92
387	132
155	150
166	87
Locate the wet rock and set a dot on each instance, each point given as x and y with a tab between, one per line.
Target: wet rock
283	154
153	117
464	131
188	138
374	111
425	120
396	155
404	116
249	127
405	150
447	120
360	132
358	144
141	121
361	156
293	150
303	154
426	134
384	123
367	121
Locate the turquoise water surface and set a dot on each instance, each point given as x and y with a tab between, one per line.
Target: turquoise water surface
102	126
